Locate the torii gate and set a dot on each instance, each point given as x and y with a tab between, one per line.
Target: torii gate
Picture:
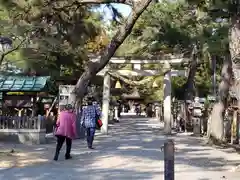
138	72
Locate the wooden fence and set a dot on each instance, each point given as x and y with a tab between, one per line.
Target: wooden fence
23	122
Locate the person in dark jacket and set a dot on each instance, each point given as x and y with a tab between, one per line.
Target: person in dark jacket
89	115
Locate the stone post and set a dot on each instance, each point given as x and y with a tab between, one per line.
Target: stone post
235	128
105	102
169	160
116	113
167	99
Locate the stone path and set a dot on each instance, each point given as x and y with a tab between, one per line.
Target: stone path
131	151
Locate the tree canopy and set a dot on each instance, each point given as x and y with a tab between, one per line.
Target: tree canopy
175	26
58	35
55	38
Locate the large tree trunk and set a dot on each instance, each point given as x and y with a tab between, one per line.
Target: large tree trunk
234	47
216	121
189	86
125	29
230	66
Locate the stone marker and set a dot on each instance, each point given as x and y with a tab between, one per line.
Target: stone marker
169	160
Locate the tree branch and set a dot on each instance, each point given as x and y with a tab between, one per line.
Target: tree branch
190	84
117	40
27	37
121	35
87	2
127	2
10	51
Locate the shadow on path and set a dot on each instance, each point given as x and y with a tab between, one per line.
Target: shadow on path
132	150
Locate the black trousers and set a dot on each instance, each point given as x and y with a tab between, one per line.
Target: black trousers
60	141
90	136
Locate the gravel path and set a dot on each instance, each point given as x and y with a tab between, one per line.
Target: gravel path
132	150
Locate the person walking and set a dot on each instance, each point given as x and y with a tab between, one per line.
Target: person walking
90	114
65	131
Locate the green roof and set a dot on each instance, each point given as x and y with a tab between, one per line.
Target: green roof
23	83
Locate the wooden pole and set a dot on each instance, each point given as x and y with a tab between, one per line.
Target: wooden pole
50	109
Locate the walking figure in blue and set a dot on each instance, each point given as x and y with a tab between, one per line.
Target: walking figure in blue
90	114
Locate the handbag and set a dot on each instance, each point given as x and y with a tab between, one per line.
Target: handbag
98	121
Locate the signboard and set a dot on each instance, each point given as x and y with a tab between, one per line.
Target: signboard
15	93
66	89
66	93
20	93
18	101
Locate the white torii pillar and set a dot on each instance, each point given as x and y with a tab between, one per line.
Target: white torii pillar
167	103
105	102
167	99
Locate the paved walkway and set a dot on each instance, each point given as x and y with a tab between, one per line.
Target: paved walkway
131	151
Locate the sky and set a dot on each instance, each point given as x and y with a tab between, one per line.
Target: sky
124	9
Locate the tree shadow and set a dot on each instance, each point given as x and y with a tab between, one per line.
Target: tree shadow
71	172
132	150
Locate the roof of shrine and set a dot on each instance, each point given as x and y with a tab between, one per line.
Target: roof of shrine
24	83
